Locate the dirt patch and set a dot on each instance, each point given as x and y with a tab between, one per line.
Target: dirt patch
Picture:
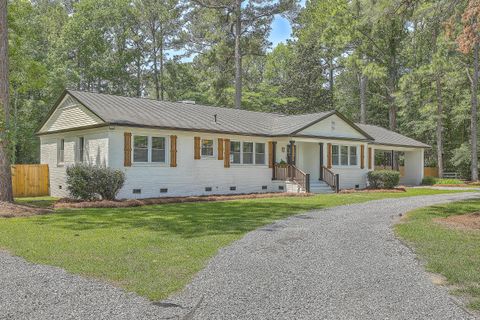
10	210
69	203
397	189
469	221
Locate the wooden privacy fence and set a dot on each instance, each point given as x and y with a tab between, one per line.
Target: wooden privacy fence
30	180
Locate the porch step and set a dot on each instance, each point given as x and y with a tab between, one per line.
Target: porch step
320	187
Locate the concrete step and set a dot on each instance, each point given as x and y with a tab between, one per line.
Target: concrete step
320	187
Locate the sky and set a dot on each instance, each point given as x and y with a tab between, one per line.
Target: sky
281	29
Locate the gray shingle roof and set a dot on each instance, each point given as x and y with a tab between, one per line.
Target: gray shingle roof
176	115
387	137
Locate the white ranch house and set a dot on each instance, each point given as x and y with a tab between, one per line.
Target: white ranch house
180	148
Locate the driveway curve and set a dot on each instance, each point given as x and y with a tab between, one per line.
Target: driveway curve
338	263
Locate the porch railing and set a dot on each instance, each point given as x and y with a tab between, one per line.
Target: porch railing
288	172
330	178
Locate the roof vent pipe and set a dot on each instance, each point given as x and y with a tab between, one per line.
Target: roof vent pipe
215	118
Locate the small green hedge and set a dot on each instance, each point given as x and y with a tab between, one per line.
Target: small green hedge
383	179
88	182
429	181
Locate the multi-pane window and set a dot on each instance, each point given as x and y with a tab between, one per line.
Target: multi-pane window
207	148
158	149
140	149
353	156
248	152
235	152
149	149
61	151
335	155
344	155
259	153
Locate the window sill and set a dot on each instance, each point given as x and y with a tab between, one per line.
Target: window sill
345	167
149	164
247	165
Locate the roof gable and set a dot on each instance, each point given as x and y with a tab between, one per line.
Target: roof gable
69	113
333	124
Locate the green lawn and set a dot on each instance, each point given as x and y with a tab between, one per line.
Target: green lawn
452	253
42	202
154	250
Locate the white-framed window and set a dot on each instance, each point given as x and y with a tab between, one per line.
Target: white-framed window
353	156
335	155
247	153
149	149
61	152
235	152
259	153
81	149
344	155
207	148
158	151
140	149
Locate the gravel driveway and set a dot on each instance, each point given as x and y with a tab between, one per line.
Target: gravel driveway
339	263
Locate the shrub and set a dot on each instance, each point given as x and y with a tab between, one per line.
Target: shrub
387	179
429	181
89	182
449	181
80	182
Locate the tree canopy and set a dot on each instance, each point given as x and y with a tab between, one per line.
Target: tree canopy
411	66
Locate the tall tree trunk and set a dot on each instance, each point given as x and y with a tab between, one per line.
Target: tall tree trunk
363	98
162	84
155	62
331	71
6	193
438	87
439	132
473	123
139	76
238	54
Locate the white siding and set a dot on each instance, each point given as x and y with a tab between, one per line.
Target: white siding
96	152
70	114
332	126
190	177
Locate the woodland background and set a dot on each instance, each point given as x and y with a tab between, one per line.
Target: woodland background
411	66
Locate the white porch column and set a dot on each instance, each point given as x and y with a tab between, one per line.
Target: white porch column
414	163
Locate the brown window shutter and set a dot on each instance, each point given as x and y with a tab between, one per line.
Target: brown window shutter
127	149
173	151
220	149
196	155
270	154
226	159
369	158
329	155
362	156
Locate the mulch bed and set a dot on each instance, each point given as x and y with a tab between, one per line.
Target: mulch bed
10	210
469	221
397	189
70	203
